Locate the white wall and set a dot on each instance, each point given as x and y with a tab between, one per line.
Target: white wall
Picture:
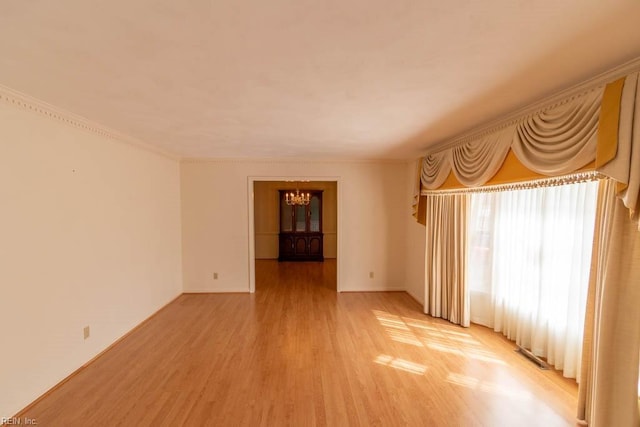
415	244
372	207
89	235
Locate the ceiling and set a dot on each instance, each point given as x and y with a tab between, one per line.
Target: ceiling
333	79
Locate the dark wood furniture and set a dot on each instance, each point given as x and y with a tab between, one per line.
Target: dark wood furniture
301	229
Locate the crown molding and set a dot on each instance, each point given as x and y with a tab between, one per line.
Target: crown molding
561	97
25	102
301	161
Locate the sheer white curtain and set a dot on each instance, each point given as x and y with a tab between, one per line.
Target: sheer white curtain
529	258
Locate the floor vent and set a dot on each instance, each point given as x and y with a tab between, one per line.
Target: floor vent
535	359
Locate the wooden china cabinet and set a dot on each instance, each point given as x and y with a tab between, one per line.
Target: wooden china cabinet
301	228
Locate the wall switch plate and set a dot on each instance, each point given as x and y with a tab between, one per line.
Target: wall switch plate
371	275
215	276
86	332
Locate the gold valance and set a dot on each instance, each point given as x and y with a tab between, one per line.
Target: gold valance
597	130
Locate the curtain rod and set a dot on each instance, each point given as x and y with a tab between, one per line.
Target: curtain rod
573	178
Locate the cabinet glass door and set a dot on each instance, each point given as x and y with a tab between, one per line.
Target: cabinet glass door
286	216
301	218
314	214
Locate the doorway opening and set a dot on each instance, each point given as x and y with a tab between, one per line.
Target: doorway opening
293	241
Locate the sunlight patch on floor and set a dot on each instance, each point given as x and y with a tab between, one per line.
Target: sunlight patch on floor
404	337
400	364
442	338
465	340
390	320
420	325
469	351
445	349
394	324
487	387
456	333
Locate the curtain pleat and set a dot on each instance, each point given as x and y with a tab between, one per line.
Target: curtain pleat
476	161
562	139
619	167
446	293
417	203
435	169
609	378
608	126
627	159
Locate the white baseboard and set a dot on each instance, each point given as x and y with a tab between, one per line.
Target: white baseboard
418	300
390	288
216	291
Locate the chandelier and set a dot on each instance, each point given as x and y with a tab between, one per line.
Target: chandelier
296	199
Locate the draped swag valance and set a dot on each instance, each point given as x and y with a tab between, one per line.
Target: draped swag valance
597	130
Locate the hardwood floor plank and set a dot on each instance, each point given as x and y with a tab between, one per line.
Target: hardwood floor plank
298	353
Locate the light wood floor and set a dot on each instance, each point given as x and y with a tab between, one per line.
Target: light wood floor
297	353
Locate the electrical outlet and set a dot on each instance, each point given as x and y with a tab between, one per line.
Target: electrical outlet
215	276
371	275
87	332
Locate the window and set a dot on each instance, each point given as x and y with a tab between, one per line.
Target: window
529	255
